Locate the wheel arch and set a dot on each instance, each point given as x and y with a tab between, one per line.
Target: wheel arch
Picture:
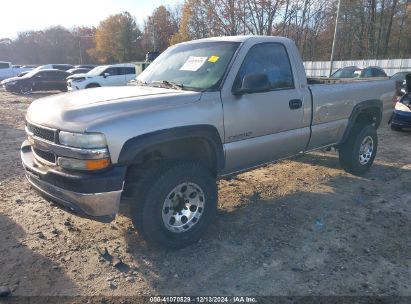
93	85
200	142
367	112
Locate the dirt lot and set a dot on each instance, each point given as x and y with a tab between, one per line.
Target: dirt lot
299	227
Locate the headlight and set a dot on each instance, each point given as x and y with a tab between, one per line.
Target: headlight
78	79
83	164
82	140
10	83
402	107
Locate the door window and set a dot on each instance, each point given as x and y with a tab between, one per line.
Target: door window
49	75
270	59
129	71
4	65
60	75
113	71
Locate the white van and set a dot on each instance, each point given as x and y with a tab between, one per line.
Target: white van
102	76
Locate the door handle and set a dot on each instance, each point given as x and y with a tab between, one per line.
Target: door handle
295	104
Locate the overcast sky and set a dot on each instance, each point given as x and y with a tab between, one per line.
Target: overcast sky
22	15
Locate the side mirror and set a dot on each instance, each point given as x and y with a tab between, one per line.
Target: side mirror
253	83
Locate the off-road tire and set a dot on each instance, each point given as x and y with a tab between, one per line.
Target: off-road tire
151	192
349	151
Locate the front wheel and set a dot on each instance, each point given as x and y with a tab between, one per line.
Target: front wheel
358	152
26	89
174	203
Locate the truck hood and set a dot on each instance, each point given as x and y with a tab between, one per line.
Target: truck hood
79	111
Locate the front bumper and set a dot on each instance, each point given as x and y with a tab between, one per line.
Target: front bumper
74	86
11	88
91	195
401	119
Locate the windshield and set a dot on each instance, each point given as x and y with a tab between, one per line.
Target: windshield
400	75
97	70
193	66
347	73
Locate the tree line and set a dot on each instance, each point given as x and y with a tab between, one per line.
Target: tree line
367	29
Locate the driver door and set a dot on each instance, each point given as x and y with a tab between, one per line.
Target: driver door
39	81
114	78
268	125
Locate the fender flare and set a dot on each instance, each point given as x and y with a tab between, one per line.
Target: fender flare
133	146
363	107
93	85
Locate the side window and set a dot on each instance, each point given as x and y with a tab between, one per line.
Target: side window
60	75
367	73
49	75
121	71
4	65
270	59
130	71
41	75
111	71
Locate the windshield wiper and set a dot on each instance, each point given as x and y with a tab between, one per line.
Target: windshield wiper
167	84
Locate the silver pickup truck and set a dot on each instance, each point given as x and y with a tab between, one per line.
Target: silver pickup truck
202	110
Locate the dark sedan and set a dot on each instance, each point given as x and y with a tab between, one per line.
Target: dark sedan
40	80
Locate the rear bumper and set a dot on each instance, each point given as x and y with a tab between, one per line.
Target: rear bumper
96	196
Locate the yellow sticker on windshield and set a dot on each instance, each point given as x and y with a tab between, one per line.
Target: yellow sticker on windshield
213	59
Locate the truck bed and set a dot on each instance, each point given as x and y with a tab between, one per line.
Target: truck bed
328	80
333	101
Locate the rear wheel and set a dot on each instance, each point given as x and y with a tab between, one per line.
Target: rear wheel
174	203
26	89
358	152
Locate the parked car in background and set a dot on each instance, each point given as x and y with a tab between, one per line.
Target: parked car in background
400	76
150	56
402	112
75	71
356	72
7	70
85	66
37	80
29	66
102	76
62	67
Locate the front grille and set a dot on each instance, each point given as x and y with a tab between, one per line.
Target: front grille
48	156
40	132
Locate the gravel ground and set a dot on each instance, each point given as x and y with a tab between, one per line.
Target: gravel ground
298	227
